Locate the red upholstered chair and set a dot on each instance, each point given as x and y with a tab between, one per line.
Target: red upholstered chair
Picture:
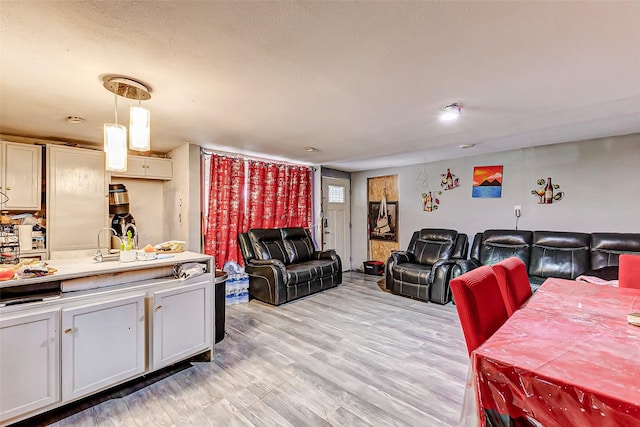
629	271
479	303
514	283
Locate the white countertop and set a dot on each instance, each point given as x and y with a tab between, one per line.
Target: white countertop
74	268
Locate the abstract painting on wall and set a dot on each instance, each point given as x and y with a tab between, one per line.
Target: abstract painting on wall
487	182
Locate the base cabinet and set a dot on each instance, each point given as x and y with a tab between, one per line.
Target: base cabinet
61	351
181	322
29	361
102	344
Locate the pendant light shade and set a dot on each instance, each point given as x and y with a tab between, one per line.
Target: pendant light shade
115	147
139	130
115	135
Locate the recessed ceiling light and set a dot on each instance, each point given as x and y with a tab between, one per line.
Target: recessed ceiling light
451	112
467	145
75	119
309	149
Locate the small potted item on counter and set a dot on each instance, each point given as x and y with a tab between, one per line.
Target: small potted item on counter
127	254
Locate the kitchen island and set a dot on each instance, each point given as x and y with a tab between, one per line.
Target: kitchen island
90	326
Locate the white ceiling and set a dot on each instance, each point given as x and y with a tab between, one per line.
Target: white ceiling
361	81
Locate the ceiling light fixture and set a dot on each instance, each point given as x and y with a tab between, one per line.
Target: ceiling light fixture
309	149
139	117
74	119
451	112
467	145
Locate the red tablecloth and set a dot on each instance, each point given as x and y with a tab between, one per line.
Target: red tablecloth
567	358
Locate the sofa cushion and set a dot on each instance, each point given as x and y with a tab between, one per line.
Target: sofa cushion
607	247
298	244
310	270
497	245
432	245
268	244
411	273
559	254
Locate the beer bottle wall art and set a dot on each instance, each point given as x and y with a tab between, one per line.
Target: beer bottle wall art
449	180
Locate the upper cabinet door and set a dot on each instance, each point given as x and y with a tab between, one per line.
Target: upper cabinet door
22	167
147	167
77	198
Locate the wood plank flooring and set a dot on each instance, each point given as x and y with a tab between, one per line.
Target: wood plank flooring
350	356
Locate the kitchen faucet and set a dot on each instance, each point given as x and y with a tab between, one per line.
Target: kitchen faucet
99	257
135	233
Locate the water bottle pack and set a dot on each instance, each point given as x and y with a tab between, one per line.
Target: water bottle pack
237	285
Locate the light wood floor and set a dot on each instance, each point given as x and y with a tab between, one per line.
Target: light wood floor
349	356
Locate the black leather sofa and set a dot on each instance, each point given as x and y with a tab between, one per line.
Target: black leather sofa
283	265
423	270
547	254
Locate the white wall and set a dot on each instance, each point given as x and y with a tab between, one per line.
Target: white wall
600	178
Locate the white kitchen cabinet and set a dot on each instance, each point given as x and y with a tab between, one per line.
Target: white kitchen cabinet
77	198
147	167
21	175
29	361
181	322
103	343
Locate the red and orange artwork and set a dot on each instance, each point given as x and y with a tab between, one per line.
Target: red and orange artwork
487	181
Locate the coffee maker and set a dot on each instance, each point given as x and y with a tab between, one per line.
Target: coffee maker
121	218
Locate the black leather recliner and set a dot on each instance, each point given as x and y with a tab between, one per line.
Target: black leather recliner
283	265
423	270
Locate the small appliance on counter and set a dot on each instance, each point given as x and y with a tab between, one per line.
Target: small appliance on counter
121	218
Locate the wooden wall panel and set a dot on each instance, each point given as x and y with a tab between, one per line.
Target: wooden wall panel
380	250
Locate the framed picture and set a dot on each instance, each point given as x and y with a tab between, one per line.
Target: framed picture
383	230
487	182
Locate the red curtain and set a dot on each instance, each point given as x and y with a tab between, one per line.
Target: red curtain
226	209
278	196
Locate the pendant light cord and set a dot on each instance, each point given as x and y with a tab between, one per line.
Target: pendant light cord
116	108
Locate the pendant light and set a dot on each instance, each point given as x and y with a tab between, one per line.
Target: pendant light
139	121
115	144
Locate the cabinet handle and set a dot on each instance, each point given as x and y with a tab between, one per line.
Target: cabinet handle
8	188
68	331
158	307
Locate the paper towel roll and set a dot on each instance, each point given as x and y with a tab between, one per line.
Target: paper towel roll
24	237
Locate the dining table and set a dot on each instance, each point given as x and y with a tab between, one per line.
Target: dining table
568	357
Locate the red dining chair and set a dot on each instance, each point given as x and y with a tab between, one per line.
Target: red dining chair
514	283
479	303
629	271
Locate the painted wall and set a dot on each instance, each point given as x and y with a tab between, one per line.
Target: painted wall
600	178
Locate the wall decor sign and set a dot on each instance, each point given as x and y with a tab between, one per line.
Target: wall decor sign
487	182
430	201
449	180
546	192
387	230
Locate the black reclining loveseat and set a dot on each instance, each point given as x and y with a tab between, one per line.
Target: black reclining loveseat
561	254
283	264
423	270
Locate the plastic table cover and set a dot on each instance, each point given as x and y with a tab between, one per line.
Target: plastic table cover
566	358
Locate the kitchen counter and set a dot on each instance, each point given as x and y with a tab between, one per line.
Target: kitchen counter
74	268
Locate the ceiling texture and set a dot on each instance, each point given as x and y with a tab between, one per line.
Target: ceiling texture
363	82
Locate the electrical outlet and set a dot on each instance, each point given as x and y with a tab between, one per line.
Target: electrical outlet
517	210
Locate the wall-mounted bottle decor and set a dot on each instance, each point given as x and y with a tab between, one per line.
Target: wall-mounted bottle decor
547	192
449	180
430	201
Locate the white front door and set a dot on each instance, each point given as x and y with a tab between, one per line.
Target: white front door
336	207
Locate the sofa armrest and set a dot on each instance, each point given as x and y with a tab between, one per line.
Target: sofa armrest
327	254
439	291
267	280
461	266
400	257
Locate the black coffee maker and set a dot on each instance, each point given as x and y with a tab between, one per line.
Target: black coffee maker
119	210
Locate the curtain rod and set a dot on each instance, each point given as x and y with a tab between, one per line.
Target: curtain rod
209	152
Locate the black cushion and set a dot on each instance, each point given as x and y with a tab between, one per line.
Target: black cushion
497	245
310	270
298	244
432	244
268	244
607	247
411	273
559	254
